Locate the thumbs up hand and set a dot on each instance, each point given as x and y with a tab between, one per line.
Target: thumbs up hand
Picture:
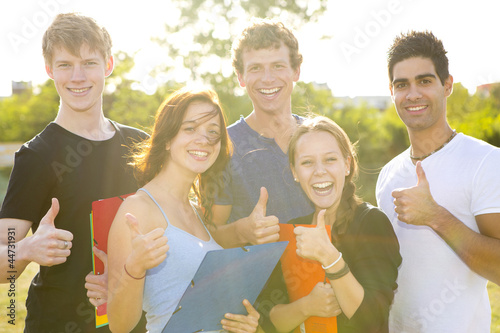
49	246
148	251
259	228
314	243
415	205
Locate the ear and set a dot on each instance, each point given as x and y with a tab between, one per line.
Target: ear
167	146
48	69
241	80
293	172
348	165
110	64
296	75
391	88
448	86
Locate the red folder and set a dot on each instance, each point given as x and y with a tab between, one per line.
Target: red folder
101	217
301	275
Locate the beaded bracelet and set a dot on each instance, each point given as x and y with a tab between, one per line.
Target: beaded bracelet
133	277
339	274
336	261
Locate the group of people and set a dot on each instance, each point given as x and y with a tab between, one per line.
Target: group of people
418	263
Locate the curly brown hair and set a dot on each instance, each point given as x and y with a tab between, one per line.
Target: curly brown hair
265	34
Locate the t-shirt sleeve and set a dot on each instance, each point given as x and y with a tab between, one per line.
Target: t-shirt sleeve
486	193
375	265
28	192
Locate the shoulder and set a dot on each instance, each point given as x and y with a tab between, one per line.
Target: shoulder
371	219
141	207
129	132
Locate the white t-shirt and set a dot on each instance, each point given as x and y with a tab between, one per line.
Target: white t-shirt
437	292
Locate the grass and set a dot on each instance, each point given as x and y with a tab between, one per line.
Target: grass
23	282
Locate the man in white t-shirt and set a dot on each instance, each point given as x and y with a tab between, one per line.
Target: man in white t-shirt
443	197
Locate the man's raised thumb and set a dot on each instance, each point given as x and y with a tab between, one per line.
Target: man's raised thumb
421	177
320	220
102	256
49	218
261	206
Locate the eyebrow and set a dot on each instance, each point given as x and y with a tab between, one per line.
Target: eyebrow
418	77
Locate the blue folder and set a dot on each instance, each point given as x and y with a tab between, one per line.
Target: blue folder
224	279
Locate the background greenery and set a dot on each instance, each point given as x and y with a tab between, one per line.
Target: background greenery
380	134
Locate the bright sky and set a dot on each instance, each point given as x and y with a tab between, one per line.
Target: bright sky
352	61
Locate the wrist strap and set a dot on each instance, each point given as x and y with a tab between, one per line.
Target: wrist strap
339	274
133	277
336	261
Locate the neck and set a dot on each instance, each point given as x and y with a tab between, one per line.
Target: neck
172	183
425	143
92	126
279	127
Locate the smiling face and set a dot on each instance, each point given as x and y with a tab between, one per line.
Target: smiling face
418	94
197	144
268	78
79	80
320	168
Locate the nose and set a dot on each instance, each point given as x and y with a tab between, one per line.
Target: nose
202	137
413	93
78	74
268	75
319	170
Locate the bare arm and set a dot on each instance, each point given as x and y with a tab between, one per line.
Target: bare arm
48	246
129	247
254	229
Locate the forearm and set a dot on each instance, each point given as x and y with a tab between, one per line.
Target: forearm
349	293
229	235
14	261
286	317
124	302
476	250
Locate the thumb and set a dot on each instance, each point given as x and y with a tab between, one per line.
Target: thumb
320	221
49	218
102	256
261	206
133	225
421	177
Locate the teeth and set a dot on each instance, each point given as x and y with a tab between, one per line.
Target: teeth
322	185
269	91
416	108
198	153
79	90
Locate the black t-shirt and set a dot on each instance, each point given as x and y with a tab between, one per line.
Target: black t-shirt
370	248
76	171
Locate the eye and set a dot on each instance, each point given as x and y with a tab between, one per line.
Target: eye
400	85
331	159
253	68
189	129
91	63
306	162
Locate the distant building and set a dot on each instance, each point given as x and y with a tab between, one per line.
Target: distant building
19	87
485	89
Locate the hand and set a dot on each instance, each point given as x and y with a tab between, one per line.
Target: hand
241	323
259	228
49	246
314	244
148	251
415	205
97	285
322	302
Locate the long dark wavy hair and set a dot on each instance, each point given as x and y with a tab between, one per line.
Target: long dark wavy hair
349	200
150	155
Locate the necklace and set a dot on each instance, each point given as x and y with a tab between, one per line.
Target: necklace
420	158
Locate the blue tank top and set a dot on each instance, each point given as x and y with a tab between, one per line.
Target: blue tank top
165	284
